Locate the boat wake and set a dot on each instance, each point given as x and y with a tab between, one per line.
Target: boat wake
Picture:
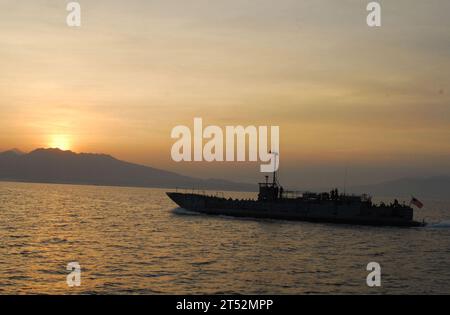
183	211
440	225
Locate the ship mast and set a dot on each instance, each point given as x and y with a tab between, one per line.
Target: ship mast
274	180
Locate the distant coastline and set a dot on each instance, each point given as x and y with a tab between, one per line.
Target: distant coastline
196	189
54	166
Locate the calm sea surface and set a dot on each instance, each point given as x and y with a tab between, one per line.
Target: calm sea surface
136	241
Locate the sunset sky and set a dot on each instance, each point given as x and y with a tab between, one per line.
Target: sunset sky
374	102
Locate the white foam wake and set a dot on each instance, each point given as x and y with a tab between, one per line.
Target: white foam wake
440	225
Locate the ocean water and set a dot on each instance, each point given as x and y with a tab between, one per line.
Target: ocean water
136	241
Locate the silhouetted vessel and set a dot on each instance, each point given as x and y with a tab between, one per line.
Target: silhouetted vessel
275	203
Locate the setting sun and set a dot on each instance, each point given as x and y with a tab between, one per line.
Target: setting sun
61	142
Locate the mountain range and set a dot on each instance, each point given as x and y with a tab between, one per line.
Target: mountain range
67	167
437	187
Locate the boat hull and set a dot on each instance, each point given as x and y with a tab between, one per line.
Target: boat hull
330	212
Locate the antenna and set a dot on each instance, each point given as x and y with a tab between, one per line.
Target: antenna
345	179
275	154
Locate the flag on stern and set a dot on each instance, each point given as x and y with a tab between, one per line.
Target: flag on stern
416	202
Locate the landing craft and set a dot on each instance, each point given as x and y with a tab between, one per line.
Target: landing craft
275	203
